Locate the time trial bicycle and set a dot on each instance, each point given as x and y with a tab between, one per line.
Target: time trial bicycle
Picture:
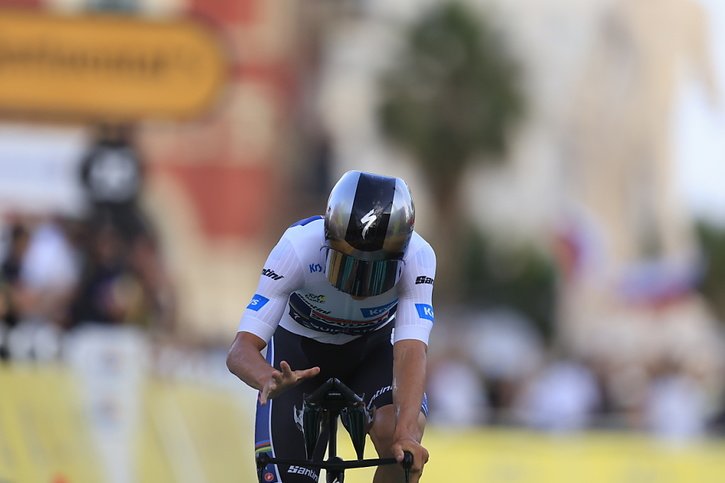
319	413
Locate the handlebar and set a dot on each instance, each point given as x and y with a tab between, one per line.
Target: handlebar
407	464
264	459
333	399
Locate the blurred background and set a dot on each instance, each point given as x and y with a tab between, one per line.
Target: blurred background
566	158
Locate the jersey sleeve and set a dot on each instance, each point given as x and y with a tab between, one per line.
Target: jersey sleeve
280	276
414	318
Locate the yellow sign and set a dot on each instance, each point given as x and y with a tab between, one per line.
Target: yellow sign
106	67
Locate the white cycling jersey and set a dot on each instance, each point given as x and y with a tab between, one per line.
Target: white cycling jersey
294	293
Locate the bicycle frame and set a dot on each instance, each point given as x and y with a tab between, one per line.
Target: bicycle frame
331	400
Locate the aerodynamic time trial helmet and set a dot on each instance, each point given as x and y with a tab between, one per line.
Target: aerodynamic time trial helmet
368	225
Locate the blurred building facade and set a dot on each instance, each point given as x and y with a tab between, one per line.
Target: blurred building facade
592	176
215	186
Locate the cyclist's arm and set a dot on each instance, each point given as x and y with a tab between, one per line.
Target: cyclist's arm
409	375
246	362
280	277
414	321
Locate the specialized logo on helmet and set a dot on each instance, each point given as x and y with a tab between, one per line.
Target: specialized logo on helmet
368	220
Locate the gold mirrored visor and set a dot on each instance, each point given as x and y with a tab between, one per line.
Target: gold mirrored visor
361	278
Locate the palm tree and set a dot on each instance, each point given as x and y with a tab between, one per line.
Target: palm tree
451	99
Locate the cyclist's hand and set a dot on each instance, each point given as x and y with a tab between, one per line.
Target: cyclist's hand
283	380
420	455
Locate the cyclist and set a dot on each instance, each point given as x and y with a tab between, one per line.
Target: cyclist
345	295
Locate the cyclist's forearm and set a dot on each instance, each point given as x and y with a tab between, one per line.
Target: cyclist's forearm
408	386
246	362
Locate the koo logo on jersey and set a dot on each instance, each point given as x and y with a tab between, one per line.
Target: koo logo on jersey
375	311
425	311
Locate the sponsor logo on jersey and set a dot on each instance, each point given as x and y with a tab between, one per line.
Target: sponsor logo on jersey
317	319
425	311
268	272
315	268
257	302
375	311
268	476
423	279
301	470
379	393
385	389
316	298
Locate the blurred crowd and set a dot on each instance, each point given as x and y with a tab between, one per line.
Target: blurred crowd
100	266
492	369
59	274
495	369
